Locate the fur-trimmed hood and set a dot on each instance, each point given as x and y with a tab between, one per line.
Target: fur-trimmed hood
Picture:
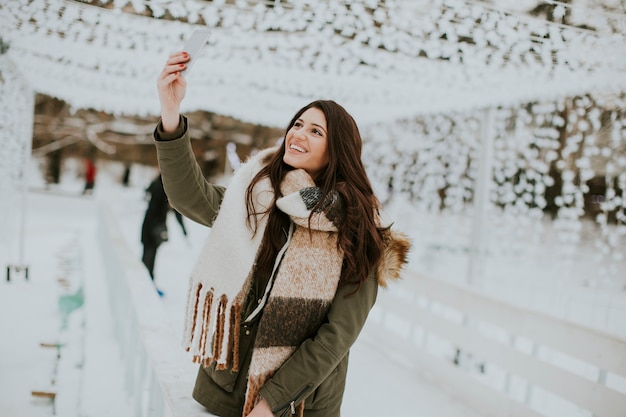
395	257
397	244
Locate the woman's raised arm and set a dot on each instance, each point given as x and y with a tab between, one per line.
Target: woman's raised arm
172	86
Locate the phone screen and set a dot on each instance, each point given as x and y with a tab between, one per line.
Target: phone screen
194	45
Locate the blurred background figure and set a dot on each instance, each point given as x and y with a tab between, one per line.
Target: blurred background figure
90	176
126	175
154	227
179	219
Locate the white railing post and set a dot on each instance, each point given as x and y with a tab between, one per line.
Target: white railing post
601	380
155	397
482	187
139	386
16	135
130	351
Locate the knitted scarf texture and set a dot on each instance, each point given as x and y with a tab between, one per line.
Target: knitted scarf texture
302	288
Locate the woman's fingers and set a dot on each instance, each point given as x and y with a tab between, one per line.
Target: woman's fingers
167	78
176	62
171	69
169	81
173	66
177	58
178	54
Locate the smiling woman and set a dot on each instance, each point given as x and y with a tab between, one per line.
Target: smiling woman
307	142
287	279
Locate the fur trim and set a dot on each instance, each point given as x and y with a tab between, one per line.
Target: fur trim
397	247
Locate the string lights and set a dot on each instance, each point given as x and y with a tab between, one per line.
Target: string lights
384	61
414	74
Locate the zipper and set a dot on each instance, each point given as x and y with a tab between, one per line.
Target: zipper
290	406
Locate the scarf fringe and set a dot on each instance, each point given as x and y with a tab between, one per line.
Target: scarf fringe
206	311
212	336
252	393
235	326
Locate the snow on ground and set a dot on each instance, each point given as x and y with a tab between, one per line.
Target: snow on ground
86	371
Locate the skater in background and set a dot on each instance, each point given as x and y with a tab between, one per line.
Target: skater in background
90	176
179	219
126	175
154	227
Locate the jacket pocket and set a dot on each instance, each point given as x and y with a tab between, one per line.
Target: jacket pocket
227	378
329	393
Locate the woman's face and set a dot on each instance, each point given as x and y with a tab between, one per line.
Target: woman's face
306	144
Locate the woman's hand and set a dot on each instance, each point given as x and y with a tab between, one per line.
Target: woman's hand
261	409
172	86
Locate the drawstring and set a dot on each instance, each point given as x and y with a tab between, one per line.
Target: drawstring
270	282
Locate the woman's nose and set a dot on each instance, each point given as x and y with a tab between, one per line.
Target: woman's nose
299	134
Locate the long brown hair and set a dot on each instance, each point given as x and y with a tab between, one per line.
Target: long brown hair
358	237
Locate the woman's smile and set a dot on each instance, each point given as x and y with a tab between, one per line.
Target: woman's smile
297	148
306	144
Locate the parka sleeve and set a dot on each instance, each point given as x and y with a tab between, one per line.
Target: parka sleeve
317	357
187	190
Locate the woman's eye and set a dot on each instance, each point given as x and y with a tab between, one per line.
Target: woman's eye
297	124
317	132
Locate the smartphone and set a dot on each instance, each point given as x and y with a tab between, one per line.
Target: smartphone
194	46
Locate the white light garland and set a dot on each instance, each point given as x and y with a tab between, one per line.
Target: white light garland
541	164
381	62
16	127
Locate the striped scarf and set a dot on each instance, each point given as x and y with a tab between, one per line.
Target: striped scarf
302	288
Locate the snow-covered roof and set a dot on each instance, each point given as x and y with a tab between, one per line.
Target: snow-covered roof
381	60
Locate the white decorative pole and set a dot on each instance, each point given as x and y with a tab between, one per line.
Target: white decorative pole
16	132
482	185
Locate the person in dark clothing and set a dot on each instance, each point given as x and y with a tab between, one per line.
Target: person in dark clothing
154	227
126	175
179	219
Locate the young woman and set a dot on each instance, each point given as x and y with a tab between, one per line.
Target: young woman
292	266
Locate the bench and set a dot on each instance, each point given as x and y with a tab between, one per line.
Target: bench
497	358
44	394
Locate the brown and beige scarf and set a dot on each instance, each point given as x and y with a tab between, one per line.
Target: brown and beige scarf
302	288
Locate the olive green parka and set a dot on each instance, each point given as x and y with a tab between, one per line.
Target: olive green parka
316	372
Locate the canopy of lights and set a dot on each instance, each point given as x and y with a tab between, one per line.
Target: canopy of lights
417	75
383	60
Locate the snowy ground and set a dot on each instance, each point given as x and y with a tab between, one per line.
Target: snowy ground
86	371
